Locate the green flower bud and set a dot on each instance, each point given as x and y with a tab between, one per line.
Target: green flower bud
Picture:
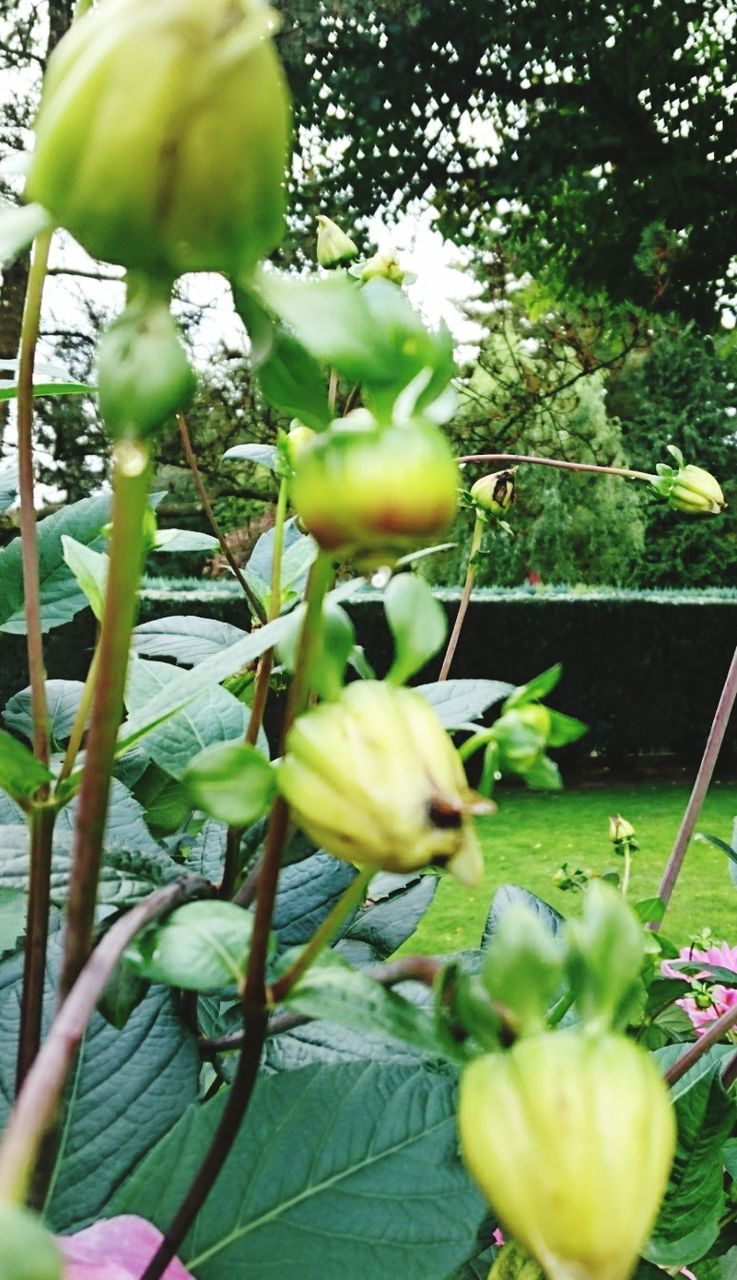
143	374
333	245
299	437
494	493
571	1139
521	735
688	488
385	266
29	1251
375	779
696	492
620	829
375	492
162	135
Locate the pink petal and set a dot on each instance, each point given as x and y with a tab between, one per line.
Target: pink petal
115	1249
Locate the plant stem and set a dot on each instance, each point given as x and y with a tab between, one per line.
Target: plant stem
254	1003
189	453
701	784
126	557
41	820
700	1046
260	687
626	472
323	936
36	1106
478	530
80	722
28	530
627	868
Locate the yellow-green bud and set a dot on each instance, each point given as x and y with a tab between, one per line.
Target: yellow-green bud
375	492
521	735
143	374
620	829
162	135
385	266
333	245
571	1140
299	438
494	493
29	1251
375	779
696	492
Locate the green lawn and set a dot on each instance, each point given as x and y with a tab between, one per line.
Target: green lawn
534	832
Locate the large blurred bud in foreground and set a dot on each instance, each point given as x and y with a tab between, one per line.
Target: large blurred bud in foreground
375	492
374	779
571	1138
162	135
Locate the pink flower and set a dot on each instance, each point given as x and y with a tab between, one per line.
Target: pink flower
115	1249
722	998
498	1238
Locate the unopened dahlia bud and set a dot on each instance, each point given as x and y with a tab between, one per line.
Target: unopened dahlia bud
384	266
494	493
299	437
521	735
375	492
374	779
620	829
143	374
571	1140
333	245
688	488
162	135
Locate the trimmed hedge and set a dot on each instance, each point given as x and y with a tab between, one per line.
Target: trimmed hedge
643	669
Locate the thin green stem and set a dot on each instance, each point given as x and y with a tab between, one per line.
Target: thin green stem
28	531
332	391
478	531
80	722
627	473
130	486
254	1003
323	936
627	869
37	1104
41	821
701	784
560	1009
199	484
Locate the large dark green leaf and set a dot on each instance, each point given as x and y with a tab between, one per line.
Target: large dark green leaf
129	1089
308	890
61	598
186	640
513	895
688	1222
127	875
456	702
62	697
293	382
338	1171
394	907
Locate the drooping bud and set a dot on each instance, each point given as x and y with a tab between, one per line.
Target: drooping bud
143	374
333	245
162	135
620	829
375	492
494	493
385	266
688	488
374	779
571	1140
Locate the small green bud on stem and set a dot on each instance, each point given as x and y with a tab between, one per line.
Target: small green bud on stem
688	488
494	493
375	492
334	247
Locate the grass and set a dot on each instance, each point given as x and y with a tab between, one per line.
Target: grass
534	832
